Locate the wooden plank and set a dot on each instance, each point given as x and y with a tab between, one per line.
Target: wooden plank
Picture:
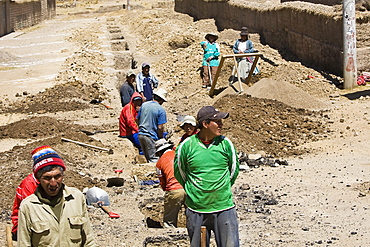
214	82
252	70
222	60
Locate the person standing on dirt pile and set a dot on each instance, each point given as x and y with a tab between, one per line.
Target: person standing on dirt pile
210	58
206	165
175	195
128	127
55	215
146	82
241	46
151	120
26	187
189	125
127	89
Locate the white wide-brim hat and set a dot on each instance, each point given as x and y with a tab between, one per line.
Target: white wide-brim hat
160	92
190	120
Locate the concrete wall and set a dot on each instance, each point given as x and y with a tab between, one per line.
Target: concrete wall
22	14
315	38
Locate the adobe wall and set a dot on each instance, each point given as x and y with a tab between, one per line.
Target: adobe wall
313	36
22	14
326	2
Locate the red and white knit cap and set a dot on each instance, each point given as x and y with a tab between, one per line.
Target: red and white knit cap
45	156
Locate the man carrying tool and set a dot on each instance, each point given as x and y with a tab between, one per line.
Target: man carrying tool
146	82
127	89
55	215
128	127
151	120
174	193
206	165
210	58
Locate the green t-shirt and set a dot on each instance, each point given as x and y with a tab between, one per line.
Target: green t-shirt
207	173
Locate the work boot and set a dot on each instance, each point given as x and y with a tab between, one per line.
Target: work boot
113	215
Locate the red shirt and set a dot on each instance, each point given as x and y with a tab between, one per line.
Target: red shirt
165	172
127	124
26	187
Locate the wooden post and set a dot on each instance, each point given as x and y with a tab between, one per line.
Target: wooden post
203	236
238	75
257	55
216	76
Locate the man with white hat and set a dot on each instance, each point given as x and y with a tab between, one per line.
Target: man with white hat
151	120
189	125
146	82
174	196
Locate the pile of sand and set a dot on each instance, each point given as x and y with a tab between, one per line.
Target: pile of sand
6	56
287	93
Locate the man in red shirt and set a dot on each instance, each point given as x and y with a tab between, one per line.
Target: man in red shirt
174	196
127	120
26	187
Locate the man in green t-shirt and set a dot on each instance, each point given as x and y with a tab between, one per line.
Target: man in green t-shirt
206	165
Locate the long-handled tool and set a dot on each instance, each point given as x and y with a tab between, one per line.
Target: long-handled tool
96	101
209	73
110	151
203	236
9	240
98	131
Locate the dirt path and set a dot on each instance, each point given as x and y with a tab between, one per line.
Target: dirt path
320	197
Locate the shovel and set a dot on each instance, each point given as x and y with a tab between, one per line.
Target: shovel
89	133
96	101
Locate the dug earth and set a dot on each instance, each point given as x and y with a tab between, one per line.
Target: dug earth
314	191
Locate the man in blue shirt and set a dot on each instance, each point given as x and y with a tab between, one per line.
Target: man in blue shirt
146	82
151	120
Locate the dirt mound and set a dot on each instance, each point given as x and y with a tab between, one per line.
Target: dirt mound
38	127
285	92
269	125
64	97
6	56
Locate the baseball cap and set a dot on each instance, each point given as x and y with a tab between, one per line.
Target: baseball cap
144	65
130	73
209	112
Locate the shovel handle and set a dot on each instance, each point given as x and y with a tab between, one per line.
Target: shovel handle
110	151
9	240
203	236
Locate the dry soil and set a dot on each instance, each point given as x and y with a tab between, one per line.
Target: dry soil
318	195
